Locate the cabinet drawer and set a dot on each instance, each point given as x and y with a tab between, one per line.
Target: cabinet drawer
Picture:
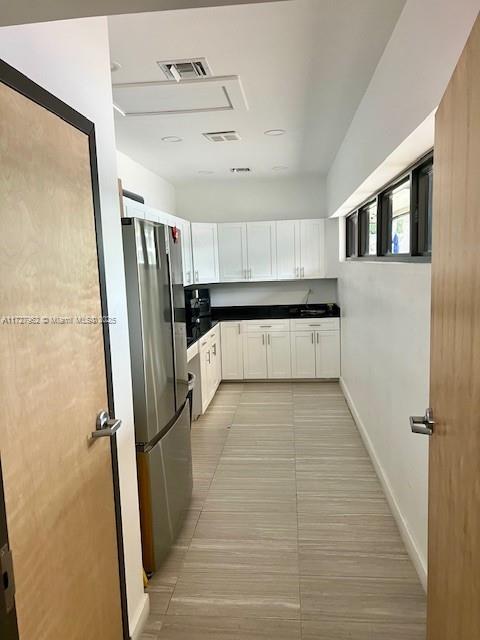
262	326
315	324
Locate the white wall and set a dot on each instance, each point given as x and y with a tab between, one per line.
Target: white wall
244	198
157	191
291	292
385	372
406	87
71	60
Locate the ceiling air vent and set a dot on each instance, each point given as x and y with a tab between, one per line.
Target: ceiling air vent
185	69
240	170
222	136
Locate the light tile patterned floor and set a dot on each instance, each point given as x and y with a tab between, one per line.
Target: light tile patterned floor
289	535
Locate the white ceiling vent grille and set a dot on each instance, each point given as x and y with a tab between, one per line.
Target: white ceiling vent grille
185	69
240	170
222	136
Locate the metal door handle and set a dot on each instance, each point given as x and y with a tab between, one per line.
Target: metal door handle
268	338
296	272
265	326
263	338
239	329
313	337
7	578
318	338
303	272
209	357
214	347
423	424
105	426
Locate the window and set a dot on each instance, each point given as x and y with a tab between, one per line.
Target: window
351	234
397	222
367	216
396	219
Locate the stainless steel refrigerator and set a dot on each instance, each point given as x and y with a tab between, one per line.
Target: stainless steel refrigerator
158	350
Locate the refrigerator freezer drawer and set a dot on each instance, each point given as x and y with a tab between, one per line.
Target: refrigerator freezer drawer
165	489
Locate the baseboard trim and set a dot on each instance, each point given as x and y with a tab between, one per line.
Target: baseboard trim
405	532
141	619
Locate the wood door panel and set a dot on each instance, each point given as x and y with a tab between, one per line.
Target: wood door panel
454	482
58	483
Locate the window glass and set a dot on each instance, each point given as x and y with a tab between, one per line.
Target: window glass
400	220
352	236
372	229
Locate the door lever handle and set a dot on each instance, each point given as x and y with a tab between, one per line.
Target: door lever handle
105	426
423	424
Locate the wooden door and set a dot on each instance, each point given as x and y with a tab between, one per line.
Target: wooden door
454	482
232	251
255	356
303	354
262	251
279	359
205	252
59	491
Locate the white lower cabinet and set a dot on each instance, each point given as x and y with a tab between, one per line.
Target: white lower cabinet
279	363
327	350
254	356
232	351
303	354
210	366
316	353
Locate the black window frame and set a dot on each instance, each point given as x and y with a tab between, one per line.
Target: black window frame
420	177
351	237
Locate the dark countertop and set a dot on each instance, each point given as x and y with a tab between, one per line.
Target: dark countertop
206	328
279	311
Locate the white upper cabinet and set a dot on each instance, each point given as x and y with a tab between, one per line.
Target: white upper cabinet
288	249
187	256
312	248
262	251
232	251
205	252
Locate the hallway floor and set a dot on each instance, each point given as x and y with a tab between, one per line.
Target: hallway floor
289	535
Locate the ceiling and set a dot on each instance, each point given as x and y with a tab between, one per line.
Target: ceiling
28	11
297	65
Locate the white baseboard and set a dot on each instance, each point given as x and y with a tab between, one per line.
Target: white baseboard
138	624
405	532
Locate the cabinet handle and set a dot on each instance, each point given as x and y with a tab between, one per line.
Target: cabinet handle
318	337
208	356
268	336
239	329
250	274
214	349
263	338
196	276
303	272
265	326
296	272
313	337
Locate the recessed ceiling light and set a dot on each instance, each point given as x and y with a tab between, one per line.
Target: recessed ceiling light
172	139
205	172
275	132
279	168
115	66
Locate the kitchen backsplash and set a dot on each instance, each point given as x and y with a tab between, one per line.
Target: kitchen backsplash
286	292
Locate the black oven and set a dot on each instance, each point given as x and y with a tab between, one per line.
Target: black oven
198	312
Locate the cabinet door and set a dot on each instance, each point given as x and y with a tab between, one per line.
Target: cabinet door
288	245
232	251
205	252
312	248
303	354
328	354
261	251
232	351
254	355
205	377
187	258
278	355
216	363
